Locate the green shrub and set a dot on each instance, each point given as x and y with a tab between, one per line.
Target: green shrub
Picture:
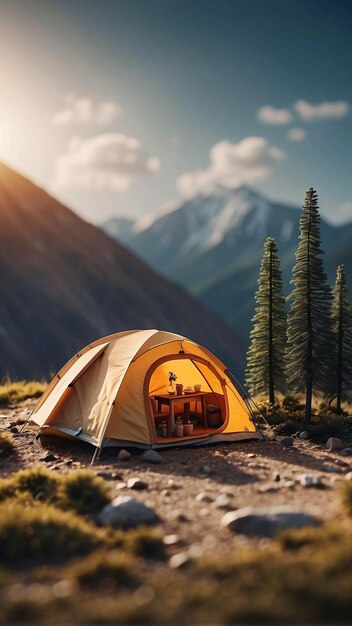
12	392
38	481
83	492
145	543
43	534
103	568
346	496
6	444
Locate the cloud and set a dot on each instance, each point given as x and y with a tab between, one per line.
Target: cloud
296	134
323	111
109	160
232	164
278	117
84	111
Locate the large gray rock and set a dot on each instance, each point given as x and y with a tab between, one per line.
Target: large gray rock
334	444
150	456
125	513
266	522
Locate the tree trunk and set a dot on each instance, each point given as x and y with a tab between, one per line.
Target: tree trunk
339	357
270	338
308	412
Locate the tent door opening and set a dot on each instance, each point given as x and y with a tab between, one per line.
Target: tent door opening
183	416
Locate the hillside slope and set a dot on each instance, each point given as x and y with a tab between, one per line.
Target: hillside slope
64	283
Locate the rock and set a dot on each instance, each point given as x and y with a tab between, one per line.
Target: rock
304	435
223	502
137	483
287	441
49	458
165	493
204	497
309	480
250	455
276	477
346	452
69	462
121	485
330	469
255	465
171	540
204	512
288	484
266	522
14	429
334	444
180	560
206	469
348	476
105	475
178	516
150	456
124	455
126	512
172	485
268	488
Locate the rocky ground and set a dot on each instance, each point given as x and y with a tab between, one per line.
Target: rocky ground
192	488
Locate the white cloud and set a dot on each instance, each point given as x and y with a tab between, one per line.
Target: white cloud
296	134
84	111
109	160
323	111
231	165
278	117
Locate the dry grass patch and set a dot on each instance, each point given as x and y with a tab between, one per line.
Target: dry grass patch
104	569
6	444
83	491
12	392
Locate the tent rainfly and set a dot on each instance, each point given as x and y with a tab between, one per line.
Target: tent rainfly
115	392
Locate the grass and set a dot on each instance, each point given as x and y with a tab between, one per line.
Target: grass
15	391
83	491
6	445
346	496
102	569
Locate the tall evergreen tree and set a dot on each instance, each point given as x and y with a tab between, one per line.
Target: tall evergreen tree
309	332
341	314
265	372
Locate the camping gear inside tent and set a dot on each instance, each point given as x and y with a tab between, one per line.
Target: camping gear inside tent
115	392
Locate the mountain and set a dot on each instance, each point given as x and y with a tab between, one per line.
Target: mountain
120	228
65	283
213	244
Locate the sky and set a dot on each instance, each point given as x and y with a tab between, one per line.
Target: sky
118	107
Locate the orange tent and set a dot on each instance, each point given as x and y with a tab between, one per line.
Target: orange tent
115	392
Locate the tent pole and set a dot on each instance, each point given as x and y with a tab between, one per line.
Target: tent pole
248	398
98	450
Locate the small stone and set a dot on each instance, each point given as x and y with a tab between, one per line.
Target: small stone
309	480
14	429
165	493
287	441
69	462
121	485
105	475
171	540
255	465
268	488
126	512
304	435
150	456
266	522
348	476
178	516
276	477
204	512
288	484
49	458
251	455
330	469
124	455
223	502
206	469
137	483
172	485
204	497
334	444
180	560
346	452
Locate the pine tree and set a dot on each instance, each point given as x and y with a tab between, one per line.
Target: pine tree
341	314
309	331
265	356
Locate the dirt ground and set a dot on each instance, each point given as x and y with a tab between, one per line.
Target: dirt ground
253	473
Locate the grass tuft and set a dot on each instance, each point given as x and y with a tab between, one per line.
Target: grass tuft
346	496
43	535
83	491
39	482
145	543
6	444
105	569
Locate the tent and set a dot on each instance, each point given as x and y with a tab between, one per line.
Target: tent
107	394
